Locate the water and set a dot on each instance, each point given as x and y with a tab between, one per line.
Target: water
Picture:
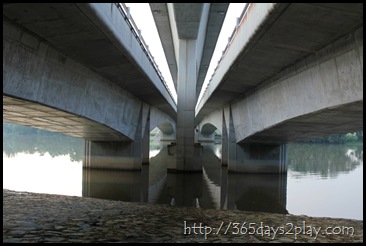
322	180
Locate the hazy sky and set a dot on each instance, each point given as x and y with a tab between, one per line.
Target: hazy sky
143	18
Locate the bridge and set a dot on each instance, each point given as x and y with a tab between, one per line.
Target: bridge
82	70
290	71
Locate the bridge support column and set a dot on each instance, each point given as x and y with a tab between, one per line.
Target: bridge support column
146	137
253	157
119	154
224	142
257	158
112	155
186	155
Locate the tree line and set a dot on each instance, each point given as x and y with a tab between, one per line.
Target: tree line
337	139
17	138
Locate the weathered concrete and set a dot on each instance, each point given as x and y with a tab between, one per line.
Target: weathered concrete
253	157
47	77
206	129
184	150
119	155
193	33
85	75
28	113
98	36
207	32
45	89
291	71
328	109
270	38
319	95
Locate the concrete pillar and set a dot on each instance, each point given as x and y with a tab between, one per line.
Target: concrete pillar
224	142
118	154
146	140
186	155
231	143
259	158
255	157
112	155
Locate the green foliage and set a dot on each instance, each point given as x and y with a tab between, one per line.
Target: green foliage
351	137
337	139
17	138
217	134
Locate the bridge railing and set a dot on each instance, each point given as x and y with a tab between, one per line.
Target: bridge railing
136	32
230	39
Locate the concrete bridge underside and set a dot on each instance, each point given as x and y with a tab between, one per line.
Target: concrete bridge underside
45	88
319	96
292	71
276	85
96	35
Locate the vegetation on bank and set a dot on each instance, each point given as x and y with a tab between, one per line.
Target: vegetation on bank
17	138
355	137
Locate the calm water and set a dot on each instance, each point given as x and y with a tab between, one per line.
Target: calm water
322	180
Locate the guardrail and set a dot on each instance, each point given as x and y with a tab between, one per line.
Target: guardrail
136	32
230	39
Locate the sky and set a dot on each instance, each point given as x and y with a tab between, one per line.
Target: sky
142	16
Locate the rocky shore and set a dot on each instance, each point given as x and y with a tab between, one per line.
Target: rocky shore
40	218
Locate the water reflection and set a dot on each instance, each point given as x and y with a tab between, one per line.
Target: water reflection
325	160
28	140
322	180
112	185
213	188
257	192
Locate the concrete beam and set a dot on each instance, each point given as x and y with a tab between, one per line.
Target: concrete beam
270	38
121	155
206	31
321	95
318	96
167	33
97	36
51	91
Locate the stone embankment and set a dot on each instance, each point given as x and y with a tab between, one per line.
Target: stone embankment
40	218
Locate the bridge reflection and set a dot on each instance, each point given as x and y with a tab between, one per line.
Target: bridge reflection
214	188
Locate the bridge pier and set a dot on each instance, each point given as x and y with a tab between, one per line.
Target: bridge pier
112	155
257	158
186	155
121	154
250	157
